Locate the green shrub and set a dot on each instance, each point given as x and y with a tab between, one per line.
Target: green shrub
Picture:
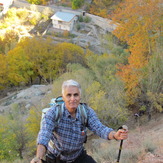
149	146
80	18
77	3
78	27
87	19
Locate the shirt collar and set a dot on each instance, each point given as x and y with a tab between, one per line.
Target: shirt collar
69	115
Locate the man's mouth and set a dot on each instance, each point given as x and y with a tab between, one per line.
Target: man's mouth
72	103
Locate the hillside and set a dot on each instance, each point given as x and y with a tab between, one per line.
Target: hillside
144	144
146	138
27	97
88	32
125	78
150	135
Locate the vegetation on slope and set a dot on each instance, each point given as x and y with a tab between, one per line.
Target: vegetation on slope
127	79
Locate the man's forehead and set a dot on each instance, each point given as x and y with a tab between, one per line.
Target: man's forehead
71	90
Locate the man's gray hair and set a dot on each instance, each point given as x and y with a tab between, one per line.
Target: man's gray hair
69	83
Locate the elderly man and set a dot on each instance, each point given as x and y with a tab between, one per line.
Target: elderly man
67	137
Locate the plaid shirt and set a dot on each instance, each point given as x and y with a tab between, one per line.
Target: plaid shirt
70	134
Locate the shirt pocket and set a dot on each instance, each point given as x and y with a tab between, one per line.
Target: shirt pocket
80	132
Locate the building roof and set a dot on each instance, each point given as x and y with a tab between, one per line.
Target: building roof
63	16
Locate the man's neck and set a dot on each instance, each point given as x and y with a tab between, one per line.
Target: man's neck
72	112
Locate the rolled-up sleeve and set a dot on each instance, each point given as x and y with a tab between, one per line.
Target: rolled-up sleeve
96	126
48	125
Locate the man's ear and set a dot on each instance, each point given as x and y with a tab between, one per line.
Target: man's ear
63	97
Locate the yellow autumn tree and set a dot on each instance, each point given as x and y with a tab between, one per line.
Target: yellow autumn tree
47	59
43	57
69	53
3	71
19	68
8	41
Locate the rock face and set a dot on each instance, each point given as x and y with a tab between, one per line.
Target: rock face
28	97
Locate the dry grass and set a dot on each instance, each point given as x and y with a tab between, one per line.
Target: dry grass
144	145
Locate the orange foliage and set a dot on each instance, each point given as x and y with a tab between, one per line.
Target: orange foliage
137	21
138	24
130	77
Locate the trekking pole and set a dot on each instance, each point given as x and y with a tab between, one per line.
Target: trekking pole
124	127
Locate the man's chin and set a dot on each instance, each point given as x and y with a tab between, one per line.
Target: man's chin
73	105
73	108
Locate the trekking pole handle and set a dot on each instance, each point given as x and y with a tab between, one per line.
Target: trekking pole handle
124	127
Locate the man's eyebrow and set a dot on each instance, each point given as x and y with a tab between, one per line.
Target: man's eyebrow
76	93
72	94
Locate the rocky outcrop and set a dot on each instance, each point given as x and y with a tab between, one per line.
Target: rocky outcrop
27	98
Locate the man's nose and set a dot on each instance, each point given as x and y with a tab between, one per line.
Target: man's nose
72	97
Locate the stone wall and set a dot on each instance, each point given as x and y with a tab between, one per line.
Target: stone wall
104	23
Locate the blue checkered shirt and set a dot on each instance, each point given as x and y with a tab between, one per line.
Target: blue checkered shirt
69	134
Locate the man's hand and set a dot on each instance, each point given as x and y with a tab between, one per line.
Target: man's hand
41	150
121	134
36	160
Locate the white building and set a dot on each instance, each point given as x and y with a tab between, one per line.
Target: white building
64	20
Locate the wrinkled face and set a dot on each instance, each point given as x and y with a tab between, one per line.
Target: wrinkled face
71	98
